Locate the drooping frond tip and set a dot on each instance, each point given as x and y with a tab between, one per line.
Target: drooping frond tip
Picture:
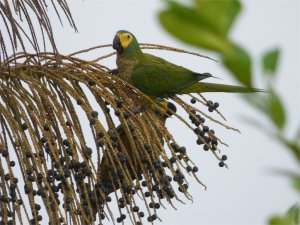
82	146
20	30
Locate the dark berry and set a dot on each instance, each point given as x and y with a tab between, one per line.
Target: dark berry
144	183
154	217
39	218
224	157
205	128
206	147
216	105
100	134
119	103
195	169
89	151
189	168
214	141
126	115
91	82
199	141
46	127
102	216
5	153
24	126
182	150
135	209
207	139
68	123
43	140
186	186
172	107
94	114
28	155
66	142
172	159
79	101
123	216
157	111
92	121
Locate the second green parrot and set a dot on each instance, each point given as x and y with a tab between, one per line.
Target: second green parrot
157	77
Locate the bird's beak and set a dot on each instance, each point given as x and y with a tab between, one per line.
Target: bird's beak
117	44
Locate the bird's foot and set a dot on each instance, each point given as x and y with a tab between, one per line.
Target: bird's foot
168	108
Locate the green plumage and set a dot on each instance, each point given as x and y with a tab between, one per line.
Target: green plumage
210	87
158	77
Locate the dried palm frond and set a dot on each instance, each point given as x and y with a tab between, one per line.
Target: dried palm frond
81	145
25	24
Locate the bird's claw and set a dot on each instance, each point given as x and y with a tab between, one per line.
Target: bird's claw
168	108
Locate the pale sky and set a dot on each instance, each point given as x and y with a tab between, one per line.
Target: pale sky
249	192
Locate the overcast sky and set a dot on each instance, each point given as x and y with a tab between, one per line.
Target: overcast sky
248	192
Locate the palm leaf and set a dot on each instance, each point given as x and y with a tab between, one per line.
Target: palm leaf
50	107
18	28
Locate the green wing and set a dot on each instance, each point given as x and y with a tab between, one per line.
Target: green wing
160	78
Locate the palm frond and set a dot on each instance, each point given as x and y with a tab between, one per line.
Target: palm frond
51	106
20	30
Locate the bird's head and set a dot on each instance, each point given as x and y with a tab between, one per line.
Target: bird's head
125	41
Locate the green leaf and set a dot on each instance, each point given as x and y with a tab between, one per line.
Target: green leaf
270	61
295	177
277	220
238	61
189	26
258	101
276	110
206	25
292	145
296	184
291	217
219	14
294	214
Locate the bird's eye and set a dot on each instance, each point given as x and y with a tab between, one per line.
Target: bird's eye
128	36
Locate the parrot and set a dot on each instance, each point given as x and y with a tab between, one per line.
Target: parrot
159	78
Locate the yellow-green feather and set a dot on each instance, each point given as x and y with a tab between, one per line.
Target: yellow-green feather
201	87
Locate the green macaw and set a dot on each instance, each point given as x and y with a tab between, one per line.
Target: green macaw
157	77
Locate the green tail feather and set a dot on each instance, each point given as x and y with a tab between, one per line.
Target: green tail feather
210	87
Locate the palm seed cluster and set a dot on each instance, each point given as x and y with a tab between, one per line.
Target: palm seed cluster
52	171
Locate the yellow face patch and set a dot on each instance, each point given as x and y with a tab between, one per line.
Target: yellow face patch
125	39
